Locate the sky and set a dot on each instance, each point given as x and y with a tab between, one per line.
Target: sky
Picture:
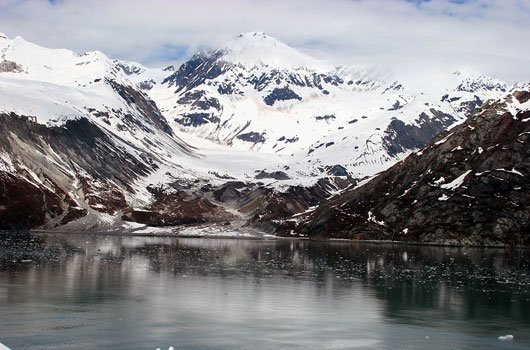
411	37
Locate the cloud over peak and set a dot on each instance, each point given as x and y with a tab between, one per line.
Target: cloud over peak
413	37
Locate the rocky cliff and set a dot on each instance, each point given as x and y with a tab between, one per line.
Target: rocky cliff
469	185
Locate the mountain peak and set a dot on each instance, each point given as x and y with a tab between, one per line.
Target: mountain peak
258	48
255	35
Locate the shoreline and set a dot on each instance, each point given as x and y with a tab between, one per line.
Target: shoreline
269	237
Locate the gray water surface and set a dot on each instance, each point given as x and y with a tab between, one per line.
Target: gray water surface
113	292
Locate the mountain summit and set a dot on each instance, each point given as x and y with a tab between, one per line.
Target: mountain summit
257	93
257	48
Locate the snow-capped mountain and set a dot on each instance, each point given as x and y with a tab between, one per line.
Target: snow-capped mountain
259	94
76	135
253	131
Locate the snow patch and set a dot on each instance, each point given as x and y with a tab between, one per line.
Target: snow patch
456	182
513	171
443	198
372	218
255	48
442	141
440	180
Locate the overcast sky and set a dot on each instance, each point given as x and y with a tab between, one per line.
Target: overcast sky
411	37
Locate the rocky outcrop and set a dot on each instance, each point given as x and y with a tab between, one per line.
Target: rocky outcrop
145	106
277	175
470	185
24	205
52	163
171	208
196	119
252	137
281	94
10	66
400	137
248	204
200	68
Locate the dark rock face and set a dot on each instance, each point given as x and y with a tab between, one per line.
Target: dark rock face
146	85
466	107
79	140
231	191
336	170
522	96
258	206
86	155
201	67
255	205
227	88
277	175
268	210
252	137
197	119
314	80
273	211
199	100
24	205
128	69
397	105
325	117
400	137
290	140
146	106
177	208
10	66
470	185
470	106
281	94
472	86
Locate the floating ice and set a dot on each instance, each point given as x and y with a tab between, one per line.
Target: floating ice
3	347
506	337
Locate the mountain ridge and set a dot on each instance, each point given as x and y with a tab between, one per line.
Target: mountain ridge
213	141
469	185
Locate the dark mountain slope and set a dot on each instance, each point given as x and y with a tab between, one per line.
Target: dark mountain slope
470	185
53	174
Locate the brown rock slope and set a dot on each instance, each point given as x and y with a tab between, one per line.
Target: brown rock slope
469	185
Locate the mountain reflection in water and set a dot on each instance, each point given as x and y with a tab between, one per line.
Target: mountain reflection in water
117	292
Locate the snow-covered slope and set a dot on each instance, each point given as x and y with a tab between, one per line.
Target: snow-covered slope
259	94
253	130
56	86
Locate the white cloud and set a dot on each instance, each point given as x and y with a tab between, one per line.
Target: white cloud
489	36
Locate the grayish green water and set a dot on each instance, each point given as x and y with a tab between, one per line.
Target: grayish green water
107	292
